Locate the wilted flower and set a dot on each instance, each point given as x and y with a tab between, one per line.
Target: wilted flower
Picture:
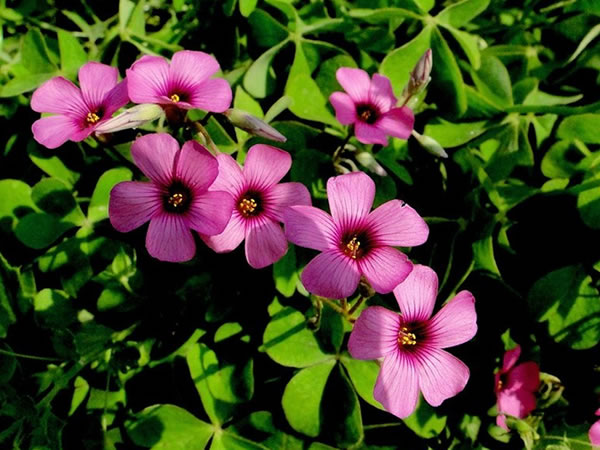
371	106
354	242
175	201
515	387
259	202
253	125
78	112
184	84
411	344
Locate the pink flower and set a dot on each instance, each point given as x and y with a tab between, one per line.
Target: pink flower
354	242
411	344
175	200
185	84
259	202
515	387
371	106
595	431
77	111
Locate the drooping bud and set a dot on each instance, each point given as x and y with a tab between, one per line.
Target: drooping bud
253	125
367	160
430	144
131	118
420	75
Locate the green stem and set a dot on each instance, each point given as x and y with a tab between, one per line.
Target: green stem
462	280
22	355
359	302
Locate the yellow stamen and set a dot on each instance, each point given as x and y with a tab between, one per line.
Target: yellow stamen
406	338
248	206
92	118
365	115
174	98
500	384
352	247
175	200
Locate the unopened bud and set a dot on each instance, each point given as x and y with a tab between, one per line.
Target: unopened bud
131	118
420	75
430	144
367	160
253	125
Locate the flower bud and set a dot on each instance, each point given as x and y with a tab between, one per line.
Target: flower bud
253	125
430	144
367	160
420	75
131	118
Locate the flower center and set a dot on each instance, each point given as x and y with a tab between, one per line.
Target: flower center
92	118
355	244
175	98
405	337
177	199
367	114
352	247
250	204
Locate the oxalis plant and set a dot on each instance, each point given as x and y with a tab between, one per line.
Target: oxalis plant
300	225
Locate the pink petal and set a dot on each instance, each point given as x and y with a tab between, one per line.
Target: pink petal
516	403
189	68
331	274
396	224
345	109
355	82
54	131
381	93
265	243
524	376
441	375
501	421
96	80
282	195
594	433
59	96
265	166
169	238
148	79
397	387
230	176
196	167
416	294
155	154
385	268
210	212
455	323
233	234
375	333
350	199
133	203
397	122
309	227
116	98
510	358
211	95
369	134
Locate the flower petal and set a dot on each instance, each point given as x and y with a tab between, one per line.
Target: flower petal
385	268
169	238
331	274
369	134
416	294
375	333
455	323
510	358
189	68
524	376
155	154
594	433
517	403
397	387
54	131
96	80
210	212
211	95
345	109
265	243
196	167
282	195
381	93
355	82
133	203
148	79
309	227
116	98
441	375
59	96
265	166
501	421
396	224
397	122
350	199
230	178
233	234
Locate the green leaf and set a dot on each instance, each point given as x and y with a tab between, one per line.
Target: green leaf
265	29
560	161
245	102
169	427
446	74
493	81
54	197
227	330
398	64
363	375
15	202
40	230
449	134
469	44
92	339
54	308
34	53
483	255
567	299
257	80
7	296
382	15
72	54
81	388
24	83
247	6
289	342
592	34
582	126
225	440
461	13
302	396
98	207
277	108
425	421
588	203
49	162
285	273
326	76
8	364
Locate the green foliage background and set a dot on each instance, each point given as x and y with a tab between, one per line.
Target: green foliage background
104	347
